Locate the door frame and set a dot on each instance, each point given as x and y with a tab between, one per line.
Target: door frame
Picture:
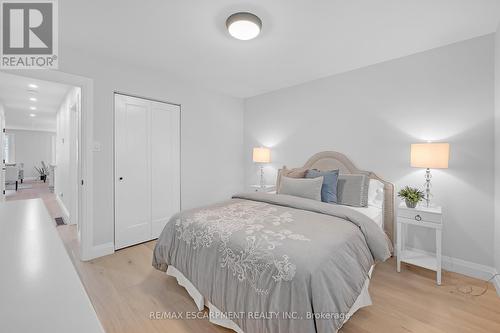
86	183
75	125
2	157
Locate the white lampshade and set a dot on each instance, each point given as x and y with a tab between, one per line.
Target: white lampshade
261	155
430	155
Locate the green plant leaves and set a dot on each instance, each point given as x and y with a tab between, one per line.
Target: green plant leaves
412	194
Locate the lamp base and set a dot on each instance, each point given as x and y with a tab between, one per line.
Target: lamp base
428	186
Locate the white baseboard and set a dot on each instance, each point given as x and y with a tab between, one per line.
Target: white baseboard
64	210
464	267
468	268
496	283
99	251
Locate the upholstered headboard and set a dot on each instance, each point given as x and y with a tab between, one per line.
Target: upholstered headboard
331	160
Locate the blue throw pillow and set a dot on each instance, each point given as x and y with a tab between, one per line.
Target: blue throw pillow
329	187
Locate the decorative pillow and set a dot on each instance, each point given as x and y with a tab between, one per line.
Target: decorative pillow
291	173
352	190
376	193
329	188
302	187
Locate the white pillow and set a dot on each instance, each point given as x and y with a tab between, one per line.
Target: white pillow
309	188
376	193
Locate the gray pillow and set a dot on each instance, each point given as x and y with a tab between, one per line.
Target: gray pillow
352	190
302	187
329	188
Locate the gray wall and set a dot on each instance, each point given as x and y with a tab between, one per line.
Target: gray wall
497	152
211	133
32	147
373	115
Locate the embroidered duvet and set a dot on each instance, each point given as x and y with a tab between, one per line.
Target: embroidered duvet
275	263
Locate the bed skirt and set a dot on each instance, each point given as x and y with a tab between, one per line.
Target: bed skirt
218	318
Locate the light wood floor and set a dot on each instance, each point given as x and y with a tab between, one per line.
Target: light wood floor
37	189
124	289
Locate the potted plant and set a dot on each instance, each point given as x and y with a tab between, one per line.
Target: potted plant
43	171
411	195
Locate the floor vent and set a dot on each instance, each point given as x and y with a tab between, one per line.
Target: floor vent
59	221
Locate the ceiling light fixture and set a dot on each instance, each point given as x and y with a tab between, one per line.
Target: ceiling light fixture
32	115
33	99
243	26
33	108
32	86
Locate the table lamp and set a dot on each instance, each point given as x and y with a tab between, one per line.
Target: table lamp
430	156
261	155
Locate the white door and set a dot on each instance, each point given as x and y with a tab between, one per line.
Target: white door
165	171
132	171
147	168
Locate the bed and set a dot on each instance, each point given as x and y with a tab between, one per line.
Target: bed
279	263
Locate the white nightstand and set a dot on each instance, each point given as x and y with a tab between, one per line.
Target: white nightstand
425	217
265	188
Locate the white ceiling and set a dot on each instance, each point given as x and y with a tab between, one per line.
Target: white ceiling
300	40
15	93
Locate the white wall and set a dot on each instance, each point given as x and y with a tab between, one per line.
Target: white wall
211	133
373	115
32	147
2	158
66	160
497	154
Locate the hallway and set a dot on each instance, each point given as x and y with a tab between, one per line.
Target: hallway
33	189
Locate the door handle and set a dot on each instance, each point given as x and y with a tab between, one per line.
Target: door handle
120	179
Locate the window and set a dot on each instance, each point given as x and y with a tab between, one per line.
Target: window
9	150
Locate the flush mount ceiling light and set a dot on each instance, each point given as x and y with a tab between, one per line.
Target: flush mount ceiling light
32	115
33	108
33	99
32	86
243	26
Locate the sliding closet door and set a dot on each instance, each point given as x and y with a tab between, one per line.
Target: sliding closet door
132	171
165	164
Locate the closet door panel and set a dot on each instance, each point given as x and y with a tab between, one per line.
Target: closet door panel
132	171
165	164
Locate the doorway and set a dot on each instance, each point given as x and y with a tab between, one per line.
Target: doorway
67	160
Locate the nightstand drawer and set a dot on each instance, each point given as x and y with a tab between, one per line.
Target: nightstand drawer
419	215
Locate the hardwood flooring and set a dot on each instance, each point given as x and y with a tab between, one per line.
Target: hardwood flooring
36	189
125	289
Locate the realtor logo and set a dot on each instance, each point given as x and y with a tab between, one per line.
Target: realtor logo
29	34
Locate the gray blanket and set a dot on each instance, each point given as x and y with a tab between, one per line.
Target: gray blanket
275	263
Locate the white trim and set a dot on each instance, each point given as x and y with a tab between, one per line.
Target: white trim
21	128
64	210
87	249
464	267
496	283
468	268
101	250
